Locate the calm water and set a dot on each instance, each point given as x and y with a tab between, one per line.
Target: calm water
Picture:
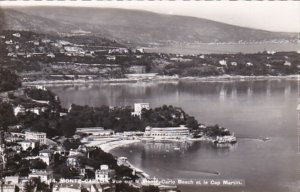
250	109
226	48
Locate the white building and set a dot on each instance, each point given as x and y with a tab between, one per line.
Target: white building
21	109
43	175
119	50
96	131
111	57
38	136
103	174
41	87
141	76
27	143
233	63
12	179
223	62
271	52
167	132
45	153
16	35
75	152
268	65
9	42
138	107
73	49
287	63
141	50
45	159
72	161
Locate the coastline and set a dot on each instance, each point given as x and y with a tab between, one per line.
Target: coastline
223	78
108	146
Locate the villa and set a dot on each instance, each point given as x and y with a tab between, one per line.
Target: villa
38	136
104	174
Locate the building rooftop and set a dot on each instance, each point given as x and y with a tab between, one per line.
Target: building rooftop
27	141
34	132
36	172
166	128
89	128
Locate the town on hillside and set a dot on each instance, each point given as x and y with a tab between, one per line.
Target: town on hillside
83	57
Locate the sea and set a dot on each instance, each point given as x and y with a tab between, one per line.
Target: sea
252	110
226	48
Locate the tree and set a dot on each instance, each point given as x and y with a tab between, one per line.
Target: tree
37	164
192	123
8	80
67	172
150	188
35	151
125	187
35	184
30	186
7	116
71	144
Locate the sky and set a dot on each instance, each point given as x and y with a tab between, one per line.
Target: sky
268	15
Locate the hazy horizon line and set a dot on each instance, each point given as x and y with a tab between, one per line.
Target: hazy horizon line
149	11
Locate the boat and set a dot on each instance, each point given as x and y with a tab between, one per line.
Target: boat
266	139
225	139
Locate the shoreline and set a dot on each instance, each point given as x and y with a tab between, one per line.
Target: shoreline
223	78
108	146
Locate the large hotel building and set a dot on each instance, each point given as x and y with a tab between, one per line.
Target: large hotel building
167	132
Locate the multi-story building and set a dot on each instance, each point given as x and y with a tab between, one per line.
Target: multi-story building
104	174
167	132
38	136
21	109
138	107
96	131
72	161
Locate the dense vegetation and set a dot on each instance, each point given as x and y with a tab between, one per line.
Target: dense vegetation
40	94
95	158
7	116
120	119
8	80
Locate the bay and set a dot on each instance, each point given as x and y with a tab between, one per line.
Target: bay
251	109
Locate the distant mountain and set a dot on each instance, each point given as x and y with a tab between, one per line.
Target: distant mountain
133	26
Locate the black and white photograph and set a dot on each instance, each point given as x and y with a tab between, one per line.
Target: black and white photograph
149	96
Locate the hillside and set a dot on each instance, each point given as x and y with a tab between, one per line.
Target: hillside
133	26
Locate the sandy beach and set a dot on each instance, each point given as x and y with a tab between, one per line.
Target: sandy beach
108	146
